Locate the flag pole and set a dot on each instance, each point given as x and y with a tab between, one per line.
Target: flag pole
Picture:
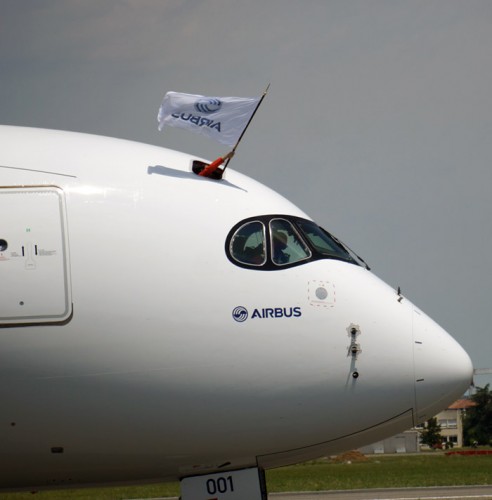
245	128
209	169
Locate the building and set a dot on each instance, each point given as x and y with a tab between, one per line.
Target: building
450	420
405	442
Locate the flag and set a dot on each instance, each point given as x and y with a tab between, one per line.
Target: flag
220	118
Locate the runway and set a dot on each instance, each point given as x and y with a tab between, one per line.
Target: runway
434	493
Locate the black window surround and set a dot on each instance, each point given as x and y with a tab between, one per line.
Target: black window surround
318	243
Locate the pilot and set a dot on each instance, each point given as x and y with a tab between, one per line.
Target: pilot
280	240
247	254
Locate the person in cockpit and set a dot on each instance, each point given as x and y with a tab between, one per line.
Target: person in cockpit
280	243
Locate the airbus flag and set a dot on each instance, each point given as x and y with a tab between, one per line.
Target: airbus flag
220	118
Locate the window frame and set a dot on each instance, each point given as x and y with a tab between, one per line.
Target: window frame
268	264
265	245
298	235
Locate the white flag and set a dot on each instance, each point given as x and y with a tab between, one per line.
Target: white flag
221	118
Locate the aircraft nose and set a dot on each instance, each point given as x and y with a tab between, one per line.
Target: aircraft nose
443	369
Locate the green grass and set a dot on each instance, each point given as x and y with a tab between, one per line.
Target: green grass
109	493
377	472
384	472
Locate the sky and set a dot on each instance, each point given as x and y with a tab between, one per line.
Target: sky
378	121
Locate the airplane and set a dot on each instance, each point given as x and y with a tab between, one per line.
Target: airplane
159	325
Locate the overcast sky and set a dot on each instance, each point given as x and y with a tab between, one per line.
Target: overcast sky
378	122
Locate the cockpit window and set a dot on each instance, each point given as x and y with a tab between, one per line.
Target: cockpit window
323	242
248	244
287	245
274	242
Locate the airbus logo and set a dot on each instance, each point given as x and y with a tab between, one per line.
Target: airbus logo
207	106
240	313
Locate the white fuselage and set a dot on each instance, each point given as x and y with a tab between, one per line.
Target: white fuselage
120	358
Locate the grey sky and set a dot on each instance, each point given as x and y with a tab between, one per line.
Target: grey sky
378	122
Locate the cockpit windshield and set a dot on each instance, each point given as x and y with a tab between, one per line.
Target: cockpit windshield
248	244
323	242
287	246
273	242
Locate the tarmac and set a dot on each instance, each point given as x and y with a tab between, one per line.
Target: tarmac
431	493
